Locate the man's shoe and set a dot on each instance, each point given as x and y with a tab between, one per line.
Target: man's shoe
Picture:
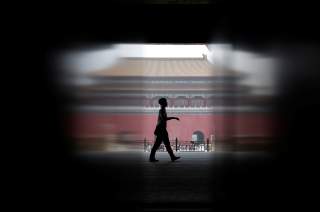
175	158
153	160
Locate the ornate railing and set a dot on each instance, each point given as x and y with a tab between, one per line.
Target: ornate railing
181	146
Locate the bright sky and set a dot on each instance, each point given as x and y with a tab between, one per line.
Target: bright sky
163	50
91	60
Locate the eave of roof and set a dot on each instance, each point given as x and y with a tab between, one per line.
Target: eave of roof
158	67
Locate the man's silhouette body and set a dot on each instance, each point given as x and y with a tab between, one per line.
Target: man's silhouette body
161	132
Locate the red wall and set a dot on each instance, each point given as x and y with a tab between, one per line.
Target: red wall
142	126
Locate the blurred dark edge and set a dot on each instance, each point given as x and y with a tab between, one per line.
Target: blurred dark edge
49	177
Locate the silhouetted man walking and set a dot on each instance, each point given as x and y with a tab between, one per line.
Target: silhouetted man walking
161	132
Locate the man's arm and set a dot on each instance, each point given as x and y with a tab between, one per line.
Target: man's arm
169	118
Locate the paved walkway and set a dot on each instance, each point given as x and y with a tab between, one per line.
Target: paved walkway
199	180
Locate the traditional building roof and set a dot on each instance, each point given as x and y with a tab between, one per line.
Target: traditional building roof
160	67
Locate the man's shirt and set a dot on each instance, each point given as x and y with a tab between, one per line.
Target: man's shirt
162	119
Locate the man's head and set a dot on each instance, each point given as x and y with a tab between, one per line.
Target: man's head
163	102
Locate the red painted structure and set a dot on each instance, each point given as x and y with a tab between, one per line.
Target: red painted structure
142	125
123	103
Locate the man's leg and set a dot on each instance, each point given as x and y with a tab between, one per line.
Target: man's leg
169	149
154	148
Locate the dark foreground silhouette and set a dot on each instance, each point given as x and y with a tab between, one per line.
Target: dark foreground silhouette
161	132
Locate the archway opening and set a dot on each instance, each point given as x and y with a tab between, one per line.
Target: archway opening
198	137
